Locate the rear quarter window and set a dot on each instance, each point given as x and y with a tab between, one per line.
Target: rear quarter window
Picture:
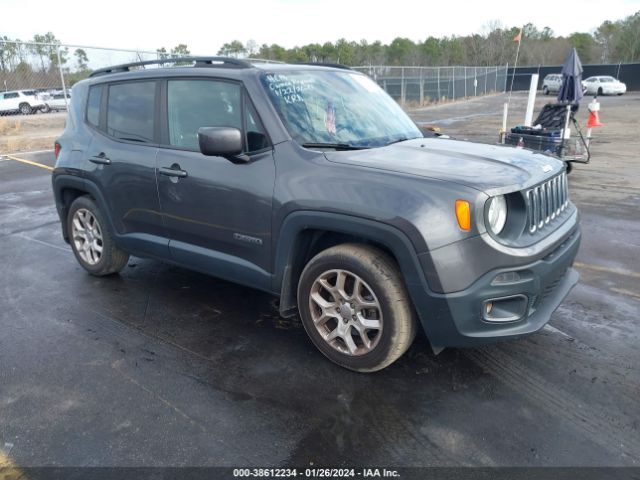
93	105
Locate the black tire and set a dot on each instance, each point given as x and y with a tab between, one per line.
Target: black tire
112	258
382	278
545	90
45	109
25	109
569	167
600	91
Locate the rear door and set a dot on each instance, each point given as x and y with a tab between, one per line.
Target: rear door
123	153
217	212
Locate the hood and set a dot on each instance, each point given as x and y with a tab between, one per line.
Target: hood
491	169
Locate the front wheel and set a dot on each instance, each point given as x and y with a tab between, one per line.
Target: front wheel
90	240
545	90
25	109
355	307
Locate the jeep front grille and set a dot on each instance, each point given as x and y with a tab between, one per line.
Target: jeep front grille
546	201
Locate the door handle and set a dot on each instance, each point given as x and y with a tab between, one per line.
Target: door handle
174	171
100	159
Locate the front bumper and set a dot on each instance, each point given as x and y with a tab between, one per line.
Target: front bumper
458	319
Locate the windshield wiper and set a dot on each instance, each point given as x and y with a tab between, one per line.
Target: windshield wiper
403	139
337	146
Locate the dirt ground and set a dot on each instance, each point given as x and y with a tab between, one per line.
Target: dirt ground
21	133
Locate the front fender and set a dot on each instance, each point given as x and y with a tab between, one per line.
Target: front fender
289	248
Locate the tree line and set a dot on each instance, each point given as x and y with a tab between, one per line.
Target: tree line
612	42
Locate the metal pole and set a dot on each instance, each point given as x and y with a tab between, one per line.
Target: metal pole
403	92
465	82
486	74
453	77
76	46
64	87
495	86
421	88
506	77
439	97
475	82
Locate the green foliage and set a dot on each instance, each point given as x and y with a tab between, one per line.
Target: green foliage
233	49
81	59
180	50
584	44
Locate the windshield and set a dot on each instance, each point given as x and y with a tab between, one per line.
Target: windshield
337	108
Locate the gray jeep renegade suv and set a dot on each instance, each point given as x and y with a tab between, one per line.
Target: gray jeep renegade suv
310	183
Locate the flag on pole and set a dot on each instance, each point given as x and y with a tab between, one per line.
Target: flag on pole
518	37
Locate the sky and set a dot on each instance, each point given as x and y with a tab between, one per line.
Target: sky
205	25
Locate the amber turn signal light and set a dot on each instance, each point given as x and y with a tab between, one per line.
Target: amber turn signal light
463	214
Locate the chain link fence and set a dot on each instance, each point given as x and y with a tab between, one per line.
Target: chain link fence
34	75
417	86
36	81
35	87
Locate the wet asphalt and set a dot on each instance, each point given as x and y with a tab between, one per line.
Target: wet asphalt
160	366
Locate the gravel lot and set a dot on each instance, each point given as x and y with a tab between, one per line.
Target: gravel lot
162	366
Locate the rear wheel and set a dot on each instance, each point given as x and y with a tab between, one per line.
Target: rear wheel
545	90
45	109
355	307
600	91
90	240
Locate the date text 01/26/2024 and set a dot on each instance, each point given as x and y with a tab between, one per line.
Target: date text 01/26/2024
315	473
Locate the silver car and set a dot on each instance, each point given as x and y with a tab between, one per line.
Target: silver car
604	85
551	83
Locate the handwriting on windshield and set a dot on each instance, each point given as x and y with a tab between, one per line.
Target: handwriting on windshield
290	90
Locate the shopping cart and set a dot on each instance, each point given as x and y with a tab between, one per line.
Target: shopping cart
551	134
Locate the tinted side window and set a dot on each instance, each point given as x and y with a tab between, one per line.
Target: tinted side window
93	105
11	95
130	111
192	104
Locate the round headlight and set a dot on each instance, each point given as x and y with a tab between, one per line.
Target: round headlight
497	215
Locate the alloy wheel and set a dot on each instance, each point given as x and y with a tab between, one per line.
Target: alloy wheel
87	236
346	312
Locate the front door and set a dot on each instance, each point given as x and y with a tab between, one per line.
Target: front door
217	213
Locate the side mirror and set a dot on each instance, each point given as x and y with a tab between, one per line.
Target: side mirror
222	142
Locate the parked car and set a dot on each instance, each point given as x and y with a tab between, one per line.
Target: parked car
604	85
551	83
22	101
312	184
56	102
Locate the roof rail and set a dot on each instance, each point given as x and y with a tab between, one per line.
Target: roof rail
322	64
220	62
262	60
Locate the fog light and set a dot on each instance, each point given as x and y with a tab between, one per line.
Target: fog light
506	277
505	309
